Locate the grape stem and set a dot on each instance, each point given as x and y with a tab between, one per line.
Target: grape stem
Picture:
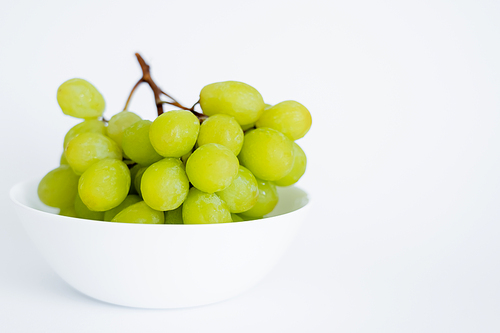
146	77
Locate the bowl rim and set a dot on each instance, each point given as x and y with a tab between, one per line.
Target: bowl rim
18	185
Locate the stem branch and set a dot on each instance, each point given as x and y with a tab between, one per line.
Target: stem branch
146	77
131	93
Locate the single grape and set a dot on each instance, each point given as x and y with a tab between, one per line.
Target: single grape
186	156
139	213
84	212
86	126
136	144
63	160
248	126
58	188
267	153
233	98
78	98
252	125
138	180
298	168
68	211
133	173
104	185
248	218
88	148
119	123
203	208
222	129
128	161
174	133
267	200
174	216
212	168
164	184
289	117
236	218
243	192
128	201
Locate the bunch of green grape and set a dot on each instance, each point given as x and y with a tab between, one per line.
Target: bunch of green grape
180	168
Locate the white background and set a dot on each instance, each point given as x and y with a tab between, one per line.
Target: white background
404	158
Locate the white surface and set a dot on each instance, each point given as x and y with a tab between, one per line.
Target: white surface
403	153
160	266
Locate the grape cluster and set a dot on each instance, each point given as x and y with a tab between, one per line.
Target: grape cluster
180	168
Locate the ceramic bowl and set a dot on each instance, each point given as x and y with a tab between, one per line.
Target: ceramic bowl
160	266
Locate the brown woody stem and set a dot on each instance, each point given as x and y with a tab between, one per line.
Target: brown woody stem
146	77
131	93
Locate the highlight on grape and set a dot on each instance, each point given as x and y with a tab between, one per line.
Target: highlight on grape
186	167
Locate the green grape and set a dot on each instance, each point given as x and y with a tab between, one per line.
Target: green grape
174	216
221	129
212	168
86	126
203	208
248	218
267	153
80	99
88	148
268	198
68	211
185	157
128	161
233	98
138	180
252	125
119	123
248	126
133	173
164	184
236	218
128	201
136	144
139	213
63	160
298	168
104	185
290	118
58	188
174	133
84	212
243	192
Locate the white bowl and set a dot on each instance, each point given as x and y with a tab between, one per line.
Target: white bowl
160	266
